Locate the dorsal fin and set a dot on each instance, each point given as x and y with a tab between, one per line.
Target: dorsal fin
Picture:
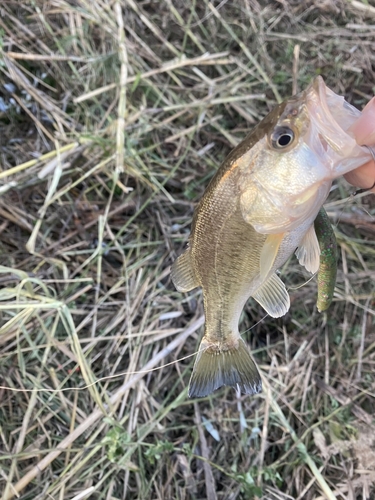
182	273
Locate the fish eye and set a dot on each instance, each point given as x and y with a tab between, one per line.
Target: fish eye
282	137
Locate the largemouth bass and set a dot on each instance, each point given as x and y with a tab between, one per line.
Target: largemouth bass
258	208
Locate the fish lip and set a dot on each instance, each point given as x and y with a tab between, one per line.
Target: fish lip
334	117
318	90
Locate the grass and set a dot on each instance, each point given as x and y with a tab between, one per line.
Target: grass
114	115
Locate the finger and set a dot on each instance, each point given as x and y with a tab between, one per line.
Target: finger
364	127
363	177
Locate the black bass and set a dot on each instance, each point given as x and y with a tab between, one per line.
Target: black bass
258	208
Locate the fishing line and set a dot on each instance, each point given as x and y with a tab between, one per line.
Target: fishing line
303	284
101	379
256	324
289	288
122	374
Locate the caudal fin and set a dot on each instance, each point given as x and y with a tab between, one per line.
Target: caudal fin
224	364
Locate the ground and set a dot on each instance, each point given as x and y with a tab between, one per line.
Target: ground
114	115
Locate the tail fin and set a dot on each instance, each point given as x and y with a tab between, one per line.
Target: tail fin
224	364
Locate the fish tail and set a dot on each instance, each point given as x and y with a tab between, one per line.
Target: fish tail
225	363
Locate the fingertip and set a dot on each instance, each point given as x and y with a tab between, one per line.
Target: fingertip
362	177
364	127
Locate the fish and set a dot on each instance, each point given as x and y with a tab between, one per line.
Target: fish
259	207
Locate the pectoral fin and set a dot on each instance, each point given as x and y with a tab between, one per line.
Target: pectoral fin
308	253
182	273
269	252
273	297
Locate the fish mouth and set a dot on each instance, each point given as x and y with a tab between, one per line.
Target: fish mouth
296	186
331	121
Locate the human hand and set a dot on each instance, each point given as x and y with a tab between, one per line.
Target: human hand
364	133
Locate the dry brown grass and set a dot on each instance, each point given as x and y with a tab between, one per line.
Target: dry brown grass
95	343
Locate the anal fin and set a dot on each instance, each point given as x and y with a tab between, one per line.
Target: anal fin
182	273
269	253
308	253
228	363
273	297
